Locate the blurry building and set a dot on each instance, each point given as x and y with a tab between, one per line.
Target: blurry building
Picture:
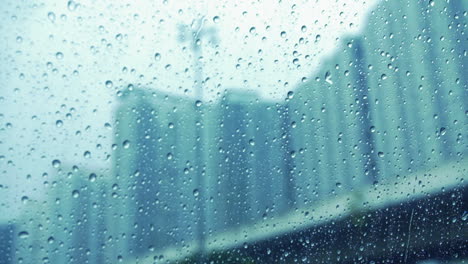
255	180
7	243
388	107
154	170
69	226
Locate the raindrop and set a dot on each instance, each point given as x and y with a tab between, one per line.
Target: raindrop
72	5
328	77
216	19
317	38
157	56
75	194
59	55
59	123
381	154
51	16
87	154
56	163
109	84
24	199
126	144
196	192
92	177
442	131
23	234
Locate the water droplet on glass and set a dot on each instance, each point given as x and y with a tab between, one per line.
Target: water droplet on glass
92	177
126	144
216	19
328	77
381	154
157	56
109	84
87	154
442	131
59	55
23	234
317	38
72	5
51	16
75	194
59	123
56	163
196	192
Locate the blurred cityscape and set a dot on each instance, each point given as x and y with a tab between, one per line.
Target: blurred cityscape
364	162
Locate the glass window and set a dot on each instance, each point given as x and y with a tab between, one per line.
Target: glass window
233	131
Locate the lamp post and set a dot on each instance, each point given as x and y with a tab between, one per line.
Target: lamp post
196	32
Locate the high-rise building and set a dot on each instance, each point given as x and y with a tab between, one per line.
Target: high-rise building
254	179
7	243
154	170
69	225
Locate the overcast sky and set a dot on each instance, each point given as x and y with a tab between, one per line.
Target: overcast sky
57	56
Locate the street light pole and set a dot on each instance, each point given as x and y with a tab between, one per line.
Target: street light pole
197	32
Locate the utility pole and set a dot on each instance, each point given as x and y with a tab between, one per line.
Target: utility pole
196	32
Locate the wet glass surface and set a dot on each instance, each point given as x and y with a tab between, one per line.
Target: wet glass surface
233	132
